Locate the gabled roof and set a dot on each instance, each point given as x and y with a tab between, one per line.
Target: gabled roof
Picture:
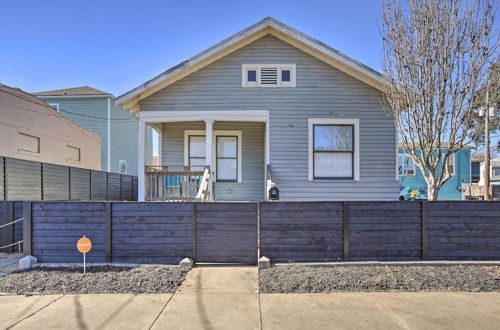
83	90
266	26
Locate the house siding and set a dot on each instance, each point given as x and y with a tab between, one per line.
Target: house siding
451	189
80	111
321	92
124	133
124	139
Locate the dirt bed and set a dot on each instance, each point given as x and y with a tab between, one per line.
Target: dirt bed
303	279
98	279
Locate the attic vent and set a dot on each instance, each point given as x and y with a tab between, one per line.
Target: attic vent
268	75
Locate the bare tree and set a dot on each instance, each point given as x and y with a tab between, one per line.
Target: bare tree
435	56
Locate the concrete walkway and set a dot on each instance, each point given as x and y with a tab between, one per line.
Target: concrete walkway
217	297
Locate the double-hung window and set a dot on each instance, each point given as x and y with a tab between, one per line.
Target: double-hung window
333	149
406	166
227	158
451	164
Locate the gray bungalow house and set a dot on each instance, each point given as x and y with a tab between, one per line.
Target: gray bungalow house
267	106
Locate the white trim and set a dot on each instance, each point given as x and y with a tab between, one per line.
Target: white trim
397	156
109	135
213	149
218	115
73	96
332	121
141	154
279	68
242	38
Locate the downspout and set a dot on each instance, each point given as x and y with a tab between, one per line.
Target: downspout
109	134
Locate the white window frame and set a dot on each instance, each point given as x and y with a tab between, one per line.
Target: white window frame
54	106
333	121
452	160
238	134
246	67
401	163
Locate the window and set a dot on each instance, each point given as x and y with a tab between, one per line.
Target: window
451	163
475	171
227	158
333	149
406	165
196	152
54	106
122	166
73	154
495	171
28	144
268	75
226	153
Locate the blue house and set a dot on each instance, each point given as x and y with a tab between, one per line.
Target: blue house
412	183
96	110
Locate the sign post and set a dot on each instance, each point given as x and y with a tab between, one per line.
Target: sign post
84	245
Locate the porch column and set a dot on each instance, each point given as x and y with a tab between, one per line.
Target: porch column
209	124
140	162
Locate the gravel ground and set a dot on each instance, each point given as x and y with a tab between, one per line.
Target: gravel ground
309	279
98	279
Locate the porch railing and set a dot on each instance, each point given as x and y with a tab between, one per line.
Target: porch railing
175	184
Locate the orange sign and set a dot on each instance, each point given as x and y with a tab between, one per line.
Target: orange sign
84	245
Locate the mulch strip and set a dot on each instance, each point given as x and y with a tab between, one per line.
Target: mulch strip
98	279
409	278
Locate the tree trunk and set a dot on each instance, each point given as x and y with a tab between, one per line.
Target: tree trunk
432	192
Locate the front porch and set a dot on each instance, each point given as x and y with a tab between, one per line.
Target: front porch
207	157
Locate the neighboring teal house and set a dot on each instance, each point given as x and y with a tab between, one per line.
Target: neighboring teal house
96	110
413	185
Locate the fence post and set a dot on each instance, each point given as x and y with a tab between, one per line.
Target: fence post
27	212
424	227
8	232
109	235
346	210
194	231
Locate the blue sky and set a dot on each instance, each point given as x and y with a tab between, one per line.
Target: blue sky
117	45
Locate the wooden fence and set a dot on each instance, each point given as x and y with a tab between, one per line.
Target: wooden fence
157	232
28	180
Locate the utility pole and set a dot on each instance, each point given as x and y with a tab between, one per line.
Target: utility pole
487	147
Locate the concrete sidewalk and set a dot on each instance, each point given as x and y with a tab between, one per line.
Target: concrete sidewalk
215	297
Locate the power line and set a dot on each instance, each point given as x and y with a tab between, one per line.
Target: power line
131	119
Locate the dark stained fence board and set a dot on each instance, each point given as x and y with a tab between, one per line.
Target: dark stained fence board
18	226
24	179
151	232
55	182
98	184
374	240
79	184
80	218
114	187
2	179
468	230
135	186
226	232
126	188
301	231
